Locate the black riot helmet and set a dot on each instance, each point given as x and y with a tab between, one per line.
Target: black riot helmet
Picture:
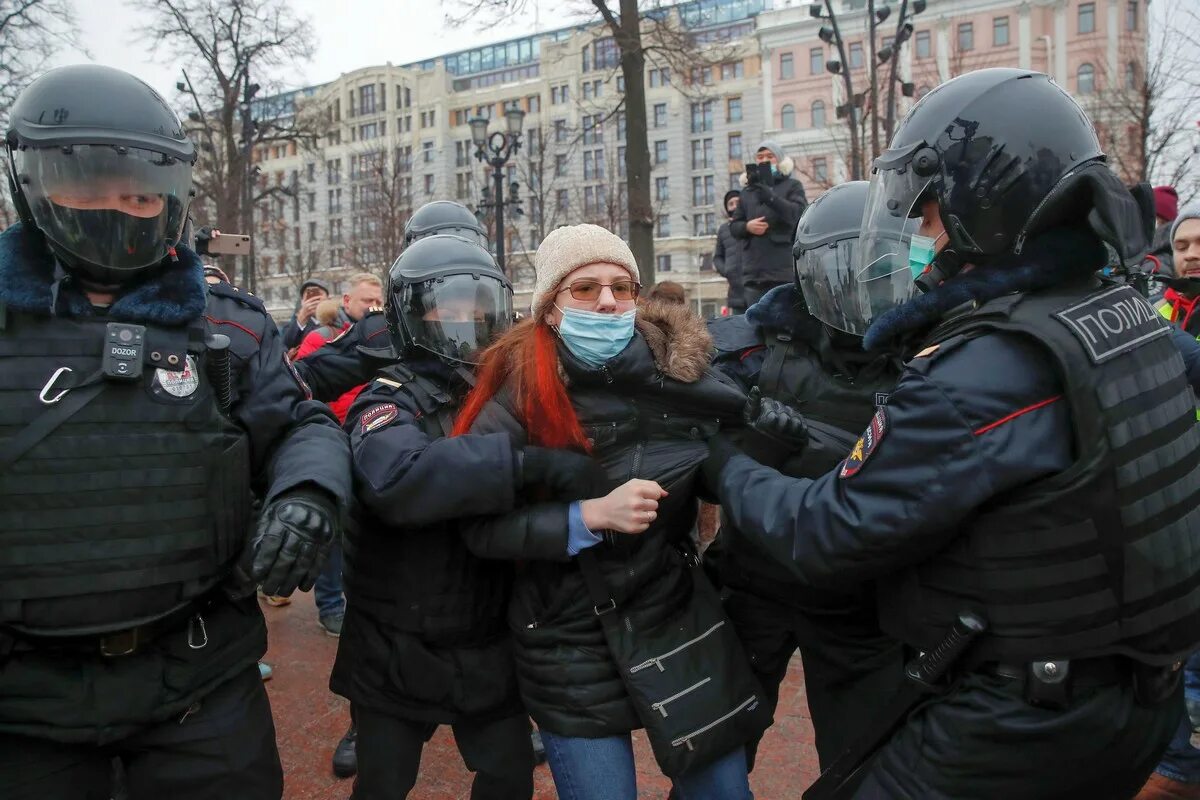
447	296
1007	154
824	253
102	167
444	216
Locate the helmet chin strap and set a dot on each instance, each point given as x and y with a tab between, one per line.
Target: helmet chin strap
945	265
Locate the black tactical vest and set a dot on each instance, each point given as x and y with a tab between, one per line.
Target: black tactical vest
1103	558
837	408
130	508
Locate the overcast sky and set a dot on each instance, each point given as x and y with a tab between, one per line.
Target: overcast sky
350	34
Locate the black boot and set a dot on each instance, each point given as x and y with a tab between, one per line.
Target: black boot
345	755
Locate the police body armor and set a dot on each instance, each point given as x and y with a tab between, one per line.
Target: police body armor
135	505
1100	559
837	408
394	575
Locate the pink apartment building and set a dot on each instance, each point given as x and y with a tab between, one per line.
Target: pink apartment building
1094	48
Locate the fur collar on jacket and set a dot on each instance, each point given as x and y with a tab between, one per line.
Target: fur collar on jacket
678	340
173	295
1052	258
786	168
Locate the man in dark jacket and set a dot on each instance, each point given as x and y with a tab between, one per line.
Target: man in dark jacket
1031	480
144	412
814	361
727	256
304	321
425	641
765	221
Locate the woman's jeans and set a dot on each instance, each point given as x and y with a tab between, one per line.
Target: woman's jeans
603	769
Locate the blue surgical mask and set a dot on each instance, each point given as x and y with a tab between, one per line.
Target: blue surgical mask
594	338
774	169
921	251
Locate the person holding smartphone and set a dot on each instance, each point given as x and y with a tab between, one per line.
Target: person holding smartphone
304	321
765	220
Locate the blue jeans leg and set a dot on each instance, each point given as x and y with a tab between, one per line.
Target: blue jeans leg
592	769
327	589
724	779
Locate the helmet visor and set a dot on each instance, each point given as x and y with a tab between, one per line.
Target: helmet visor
119	208
456	316
829	279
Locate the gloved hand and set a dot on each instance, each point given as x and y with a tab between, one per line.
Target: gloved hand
775	420
293	540
567	474
720	450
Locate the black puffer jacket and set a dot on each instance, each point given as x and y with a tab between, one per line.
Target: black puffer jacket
648	412
767	259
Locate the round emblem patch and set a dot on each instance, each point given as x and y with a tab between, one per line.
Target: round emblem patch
179	384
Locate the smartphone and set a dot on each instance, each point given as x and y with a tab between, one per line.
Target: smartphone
229	244
759	174
313	291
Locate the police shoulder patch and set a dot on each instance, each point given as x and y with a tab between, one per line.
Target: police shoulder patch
378	416
866	444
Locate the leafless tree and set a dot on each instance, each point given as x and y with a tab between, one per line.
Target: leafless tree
229	45
32	32
661	39
380	204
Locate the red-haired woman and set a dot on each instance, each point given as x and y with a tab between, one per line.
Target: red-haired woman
631	386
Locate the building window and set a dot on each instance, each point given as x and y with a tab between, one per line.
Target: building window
787	118
560	131
732	70
733	109
1085	79
702	76
856	55
818	114
428	184
660	115
787	68
366	99
820	170
560	166
1000	32
558	95
1087	18
533	103
312	201
735	147
662	189
660	152
562	200
593	165
816	60
662	263
703	191
702	154
966	37
660	77
593	133
1131	15
622	123
662	225
427	152
702	116
924	45
1131	81
310	171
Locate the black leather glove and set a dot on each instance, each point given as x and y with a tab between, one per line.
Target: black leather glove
775	420
720	450
567	474
293	541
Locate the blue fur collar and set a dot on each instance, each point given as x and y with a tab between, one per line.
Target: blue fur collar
778	310
173	295
1052	258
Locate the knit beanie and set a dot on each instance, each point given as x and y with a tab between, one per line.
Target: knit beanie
1189	212
1166	203
773	147
570	247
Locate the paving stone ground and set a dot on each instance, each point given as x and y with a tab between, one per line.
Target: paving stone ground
309	720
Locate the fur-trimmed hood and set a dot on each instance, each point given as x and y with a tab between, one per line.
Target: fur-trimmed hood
31	281
678	340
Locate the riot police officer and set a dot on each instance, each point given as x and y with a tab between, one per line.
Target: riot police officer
143	411
425	640
813	361
353	358
1032	475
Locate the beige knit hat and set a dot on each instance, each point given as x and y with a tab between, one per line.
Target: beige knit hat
568	248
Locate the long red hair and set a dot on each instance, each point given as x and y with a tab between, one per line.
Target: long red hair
526	358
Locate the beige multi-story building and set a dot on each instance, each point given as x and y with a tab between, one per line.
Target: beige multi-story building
398	136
